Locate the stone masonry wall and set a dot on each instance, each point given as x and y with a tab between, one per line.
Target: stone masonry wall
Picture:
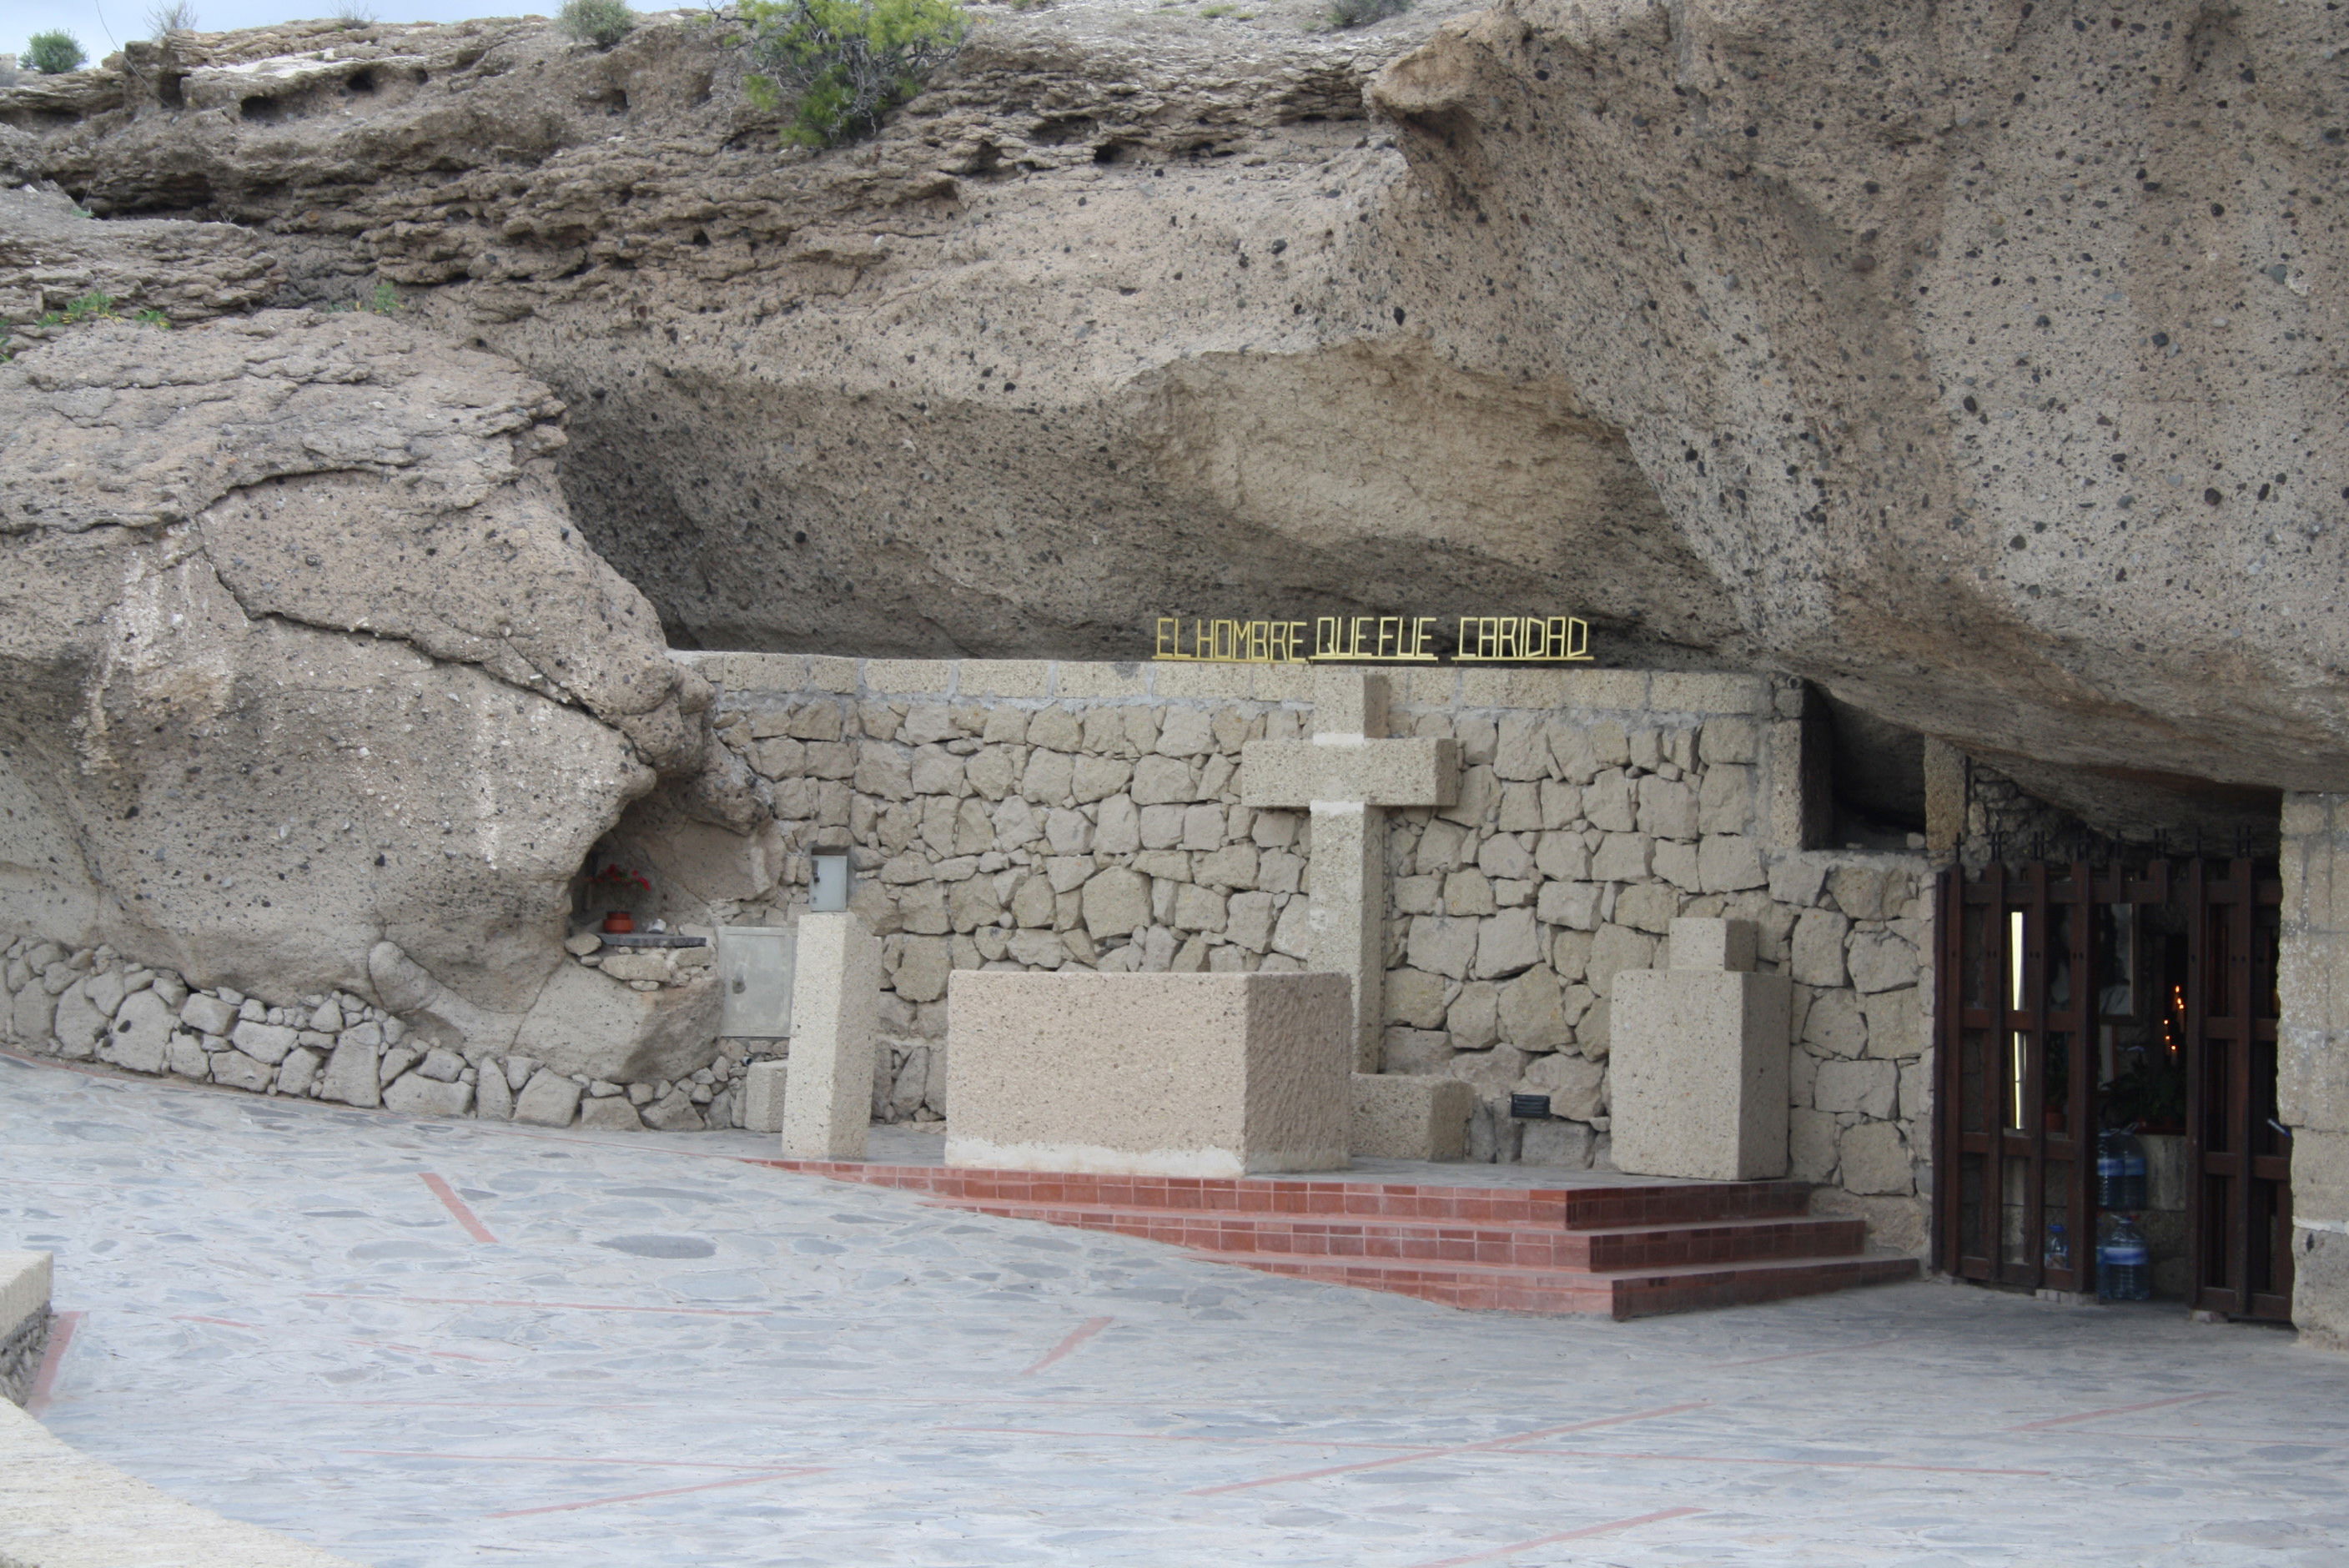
1039	815
96	1006
1042	815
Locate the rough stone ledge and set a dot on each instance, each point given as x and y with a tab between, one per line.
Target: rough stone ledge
61	1509
24	1322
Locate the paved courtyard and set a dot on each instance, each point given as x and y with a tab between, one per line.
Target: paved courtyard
436	1342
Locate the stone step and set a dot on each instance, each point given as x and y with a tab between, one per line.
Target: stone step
1576	1208
1531	1245
1637	1293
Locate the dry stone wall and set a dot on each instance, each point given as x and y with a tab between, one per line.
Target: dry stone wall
1013	814
1044	816
93	1004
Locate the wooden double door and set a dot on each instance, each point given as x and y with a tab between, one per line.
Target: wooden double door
2073	998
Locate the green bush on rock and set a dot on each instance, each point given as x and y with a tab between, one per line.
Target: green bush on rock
602	23
52	54
842	65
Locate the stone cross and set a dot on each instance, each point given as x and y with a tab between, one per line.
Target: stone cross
1345	774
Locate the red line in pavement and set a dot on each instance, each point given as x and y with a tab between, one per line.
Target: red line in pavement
223	1322
1585	1532
2113	1411
61	1334
573	1460
666	1492
1078	1336
560	1305
1414	1449
465	1216
1424	1454
1797	1354
1797	1464
419	1350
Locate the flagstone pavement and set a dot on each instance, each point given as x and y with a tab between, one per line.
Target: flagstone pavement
435	1343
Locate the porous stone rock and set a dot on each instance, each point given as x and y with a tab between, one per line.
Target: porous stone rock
317	572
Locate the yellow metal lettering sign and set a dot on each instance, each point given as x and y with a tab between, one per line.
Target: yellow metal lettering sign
1376	639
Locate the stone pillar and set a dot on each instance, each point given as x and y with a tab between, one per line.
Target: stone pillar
2312	1059
835	1017
1698	1060
1945	800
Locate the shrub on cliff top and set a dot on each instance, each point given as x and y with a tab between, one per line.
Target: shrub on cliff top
53	53
1362	13
844	64
602	23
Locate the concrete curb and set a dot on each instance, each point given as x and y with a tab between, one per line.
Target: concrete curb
61	1509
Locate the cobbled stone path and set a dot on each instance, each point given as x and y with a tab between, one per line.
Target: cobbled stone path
436	1342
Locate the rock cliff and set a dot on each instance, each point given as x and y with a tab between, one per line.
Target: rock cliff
1976	361
312	683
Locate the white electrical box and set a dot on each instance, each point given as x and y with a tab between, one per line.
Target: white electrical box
755	965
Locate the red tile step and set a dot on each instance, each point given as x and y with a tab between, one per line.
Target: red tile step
1641	1293
1577	1208
1629	1250
1448	1240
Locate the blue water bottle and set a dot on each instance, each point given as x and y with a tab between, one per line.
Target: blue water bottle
2123	1261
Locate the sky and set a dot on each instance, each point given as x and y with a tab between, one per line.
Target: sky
104	25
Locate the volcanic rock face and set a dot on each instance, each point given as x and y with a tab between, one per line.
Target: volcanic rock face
1087	335
1978	361
1990	353
310	682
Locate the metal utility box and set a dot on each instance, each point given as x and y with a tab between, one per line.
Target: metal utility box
755	965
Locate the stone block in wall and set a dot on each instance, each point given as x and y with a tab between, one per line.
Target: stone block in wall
142	1031
1811	1145
1896	1023
1532	1012
1728	862
1676	863
1411	1051
1859	890
1414	997
610	1113
1835	1026
1509	944
1160	781
1570	903
1520	810
1880	960
1442	945
1872	1157
1116	904
583	1023
416	1094
353	1077
1568	1145
1647	906
1817	957
78	1025
1468	892
1409	1117
1576	1085
1474	1019
1667	808
1616	948
492	1097
1868	1088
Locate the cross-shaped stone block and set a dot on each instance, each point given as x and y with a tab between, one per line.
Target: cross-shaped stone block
1346	775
